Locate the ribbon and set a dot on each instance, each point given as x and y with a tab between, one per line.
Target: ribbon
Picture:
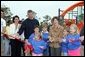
27	48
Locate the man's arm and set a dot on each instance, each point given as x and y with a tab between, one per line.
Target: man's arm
21	28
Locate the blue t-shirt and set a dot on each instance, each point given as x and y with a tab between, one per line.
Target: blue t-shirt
45	36
75	44
64	45
36	44
31	37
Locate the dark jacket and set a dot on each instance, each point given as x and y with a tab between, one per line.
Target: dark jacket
28	27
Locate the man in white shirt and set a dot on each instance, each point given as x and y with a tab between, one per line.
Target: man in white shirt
4	46
3	23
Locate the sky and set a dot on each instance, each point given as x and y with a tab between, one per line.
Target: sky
42	8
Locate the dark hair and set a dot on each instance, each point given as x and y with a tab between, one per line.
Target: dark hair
20	22
16	16
36	26
29	11
2	11
54	19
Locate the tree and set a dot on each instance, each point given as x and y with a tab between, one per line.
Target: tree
61	20
47	18
7	11
80	17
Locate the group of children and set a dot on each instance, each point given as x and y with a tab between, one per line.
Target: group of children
70	45
38	41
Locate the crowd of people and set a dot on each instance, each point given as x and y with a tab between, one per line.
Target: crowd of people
58	40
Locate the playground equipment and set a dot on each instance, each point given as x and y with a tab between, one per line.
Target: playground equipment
81	3
71	16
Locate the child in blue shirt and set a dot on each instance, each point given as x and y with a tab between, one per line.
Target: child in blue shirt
64	49
36	41
73	41
45	37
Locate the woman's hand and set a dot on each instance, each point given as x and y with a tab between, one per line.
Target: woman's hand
50	39
11	36
63	40
26	41
81	38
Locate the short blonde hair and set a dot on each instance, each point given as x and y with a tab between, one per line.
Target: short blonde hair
45	25
75	27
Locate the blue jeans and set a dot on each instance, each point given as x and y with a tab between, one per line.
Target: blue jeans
6	47
2	46
2	39
64	54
